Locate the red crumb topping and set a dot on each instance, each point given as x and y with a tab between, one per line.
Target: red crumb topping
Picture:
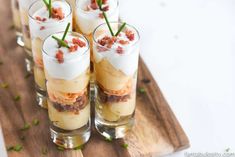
59	56
104	1
130	35
109	41
57	13
123	42
78	42
73	48
106	8
40	19
42	27
101	15
119	50
94	5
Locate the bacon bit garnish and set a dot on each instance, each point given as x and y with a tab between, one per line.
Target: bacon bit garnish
123	42
57	13
106	8
104	1
101	49
73	48
130	35
119	50
59	56
101	15
78	42
94	5
42	27
40	19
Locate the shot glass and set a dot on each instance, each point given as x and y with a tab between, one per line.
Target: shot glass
68	72
16	22
42	26
88	17
24	7
115	69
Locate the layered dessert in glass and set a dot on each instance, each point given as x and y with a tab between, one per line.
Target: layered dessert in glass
24	7
67	72
42	25
115	69
17	22
88	16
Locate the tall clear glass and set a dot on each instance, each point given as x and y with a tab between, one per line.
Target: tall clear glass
24	7
88	17
115	69
68	72
16	21
40	27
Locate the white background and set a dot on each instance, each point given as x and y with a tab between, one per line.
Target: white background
189	46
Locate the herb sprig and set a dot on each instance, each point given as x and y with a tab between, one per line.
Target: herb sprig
48	5
61	42
99	2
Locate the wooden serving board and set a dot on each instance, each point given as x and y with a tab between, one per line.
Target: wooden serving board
157	131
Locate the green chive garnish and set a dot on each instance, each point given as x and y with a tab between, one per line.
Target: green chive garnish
16	98
106	20
125	145
25	127
17	148
66	31
61	42
4	85
99	2
79	147
120	29
141	90
35	122
60	148
108	139
48	5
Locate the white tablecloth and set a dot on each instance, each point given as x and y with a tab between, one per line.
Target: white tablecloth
189	46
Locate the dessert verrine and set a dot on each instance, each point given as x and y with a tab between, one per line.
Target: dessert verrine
43	23
89	15
115	67
17	22
24	7
67	69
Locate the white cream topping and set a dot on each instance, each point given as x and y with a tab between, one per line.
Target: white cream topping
127	62
51	25
87	21
75	63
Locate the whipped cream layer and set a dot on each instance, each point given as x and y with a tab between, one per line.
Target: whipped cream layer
125	61
74	63
88	20
42	29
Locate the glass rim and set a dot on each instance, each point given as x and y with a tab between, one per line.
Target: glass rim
103	24
59	21
69	32
86	12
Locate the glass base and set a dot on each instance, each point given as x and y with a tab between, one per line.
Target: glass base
41	98
113	130
19	39
70	139
29	64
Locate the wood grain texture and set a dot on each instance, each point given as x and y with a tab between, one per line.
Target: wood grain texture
157	131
